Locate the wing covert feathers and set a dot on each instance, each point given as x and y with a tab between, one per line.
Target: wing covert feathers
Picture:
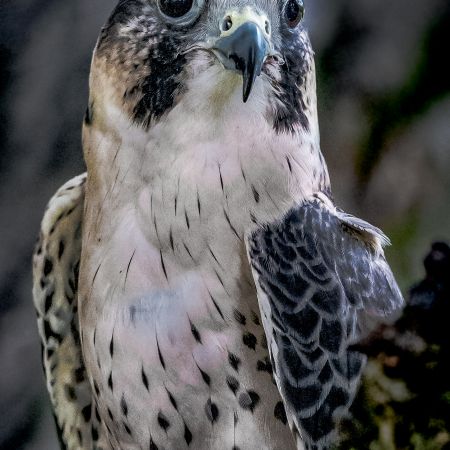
55	274
317	272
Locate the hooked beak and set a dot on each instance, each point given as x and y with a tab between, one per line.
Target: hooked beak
244	49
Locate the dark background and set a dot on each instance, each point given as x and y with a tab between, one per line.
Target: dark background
384	105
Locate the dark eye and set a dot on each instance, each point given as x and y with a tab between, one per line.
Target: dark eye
294	12
175	8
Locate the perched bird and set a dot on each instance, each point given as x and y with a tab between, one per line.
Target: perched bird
198	288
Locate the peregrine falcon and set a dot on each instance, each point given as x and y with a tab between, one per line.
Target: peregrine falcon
198	288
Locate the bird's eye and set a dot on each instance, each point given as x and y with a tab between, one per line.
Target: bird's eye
175	8
180	13
294	12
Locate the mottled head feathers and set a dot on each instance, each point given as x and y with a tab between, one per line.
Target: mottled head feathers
144	61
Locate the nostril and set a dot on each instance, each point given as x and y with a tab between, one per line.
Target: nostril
267	27
227	24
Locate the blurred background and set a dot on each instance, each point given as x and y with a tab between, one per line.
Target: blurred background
384	106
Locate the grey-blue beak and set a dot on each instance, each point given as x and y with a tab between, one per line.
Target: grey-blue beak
244	50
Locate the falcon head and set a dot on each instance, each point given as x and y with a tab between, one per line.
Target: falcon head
216	54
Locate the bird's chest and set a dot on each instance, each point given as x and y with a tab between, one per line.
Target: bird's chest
168	245
181	357
170	321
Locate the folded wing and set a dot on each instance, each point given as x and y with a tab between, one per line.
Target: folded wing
55	284
318	273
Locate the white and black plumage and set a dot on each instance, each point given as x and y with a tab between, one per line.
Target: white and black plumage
199	289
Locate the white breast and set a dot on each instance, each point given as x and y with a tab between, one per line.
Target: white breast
163	237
